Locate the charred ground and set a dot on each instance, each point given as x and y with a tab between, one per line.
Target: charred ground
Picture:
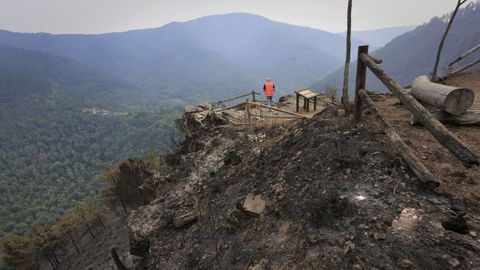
336	196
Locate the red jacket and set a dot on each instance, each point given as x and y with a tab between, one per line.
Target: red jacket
269	89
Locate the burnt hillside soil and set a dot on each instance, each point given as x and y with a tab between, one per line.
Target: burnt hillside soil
328	195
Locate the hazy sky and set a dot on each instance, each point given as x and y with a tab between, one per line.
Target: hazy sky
100	16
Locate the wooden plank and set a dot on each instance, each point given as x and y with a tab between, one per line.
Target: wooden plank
275	116
452	99
277	109
413	161
469	119
241	105
360	83
237	97
451	73
437	129
465	54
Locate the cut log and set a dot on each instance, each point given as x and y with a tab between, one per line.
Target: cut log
437	129
452	99
468	119
413	161
188	218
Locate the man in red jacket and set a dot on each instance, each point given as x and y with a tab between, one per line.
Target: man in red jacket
269	90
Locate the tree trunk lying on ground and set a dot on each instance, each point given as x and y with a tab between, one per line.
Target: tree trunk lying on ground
468	119
452	99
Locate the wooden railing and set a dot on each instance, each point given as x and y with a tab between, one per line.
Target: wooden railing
252	93
437	129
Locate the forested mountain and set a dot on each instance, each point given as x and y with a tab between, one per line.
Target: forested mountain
206	58
60	125
413	53
380	37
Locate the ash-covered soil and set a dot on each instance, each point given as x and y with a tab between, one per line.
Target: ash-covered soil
322	194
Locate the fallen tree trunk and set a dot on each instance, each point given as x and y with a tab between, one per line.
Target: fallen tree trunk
468	119
452	99
413	161
437	129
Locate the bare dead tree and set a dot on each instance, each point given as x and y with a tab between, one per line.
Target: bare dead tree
346	103
442	41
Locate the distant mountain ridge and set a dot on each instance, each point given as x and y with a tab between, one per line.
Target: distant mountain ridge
413	53
208	57
380	37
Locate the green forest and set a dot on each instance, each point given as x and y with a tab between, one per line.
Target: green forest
61	124
49	163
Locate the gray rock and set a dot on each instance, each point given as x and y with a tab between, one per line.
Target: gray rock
406	263
453	262
379	236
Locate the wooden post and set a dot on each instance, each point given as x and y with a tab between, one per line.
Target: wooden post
247	111
315	103
360	83
437	129
413	162
298	101
253	96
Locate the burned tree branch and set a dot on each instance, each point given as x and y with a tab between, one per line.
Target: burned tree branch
444	37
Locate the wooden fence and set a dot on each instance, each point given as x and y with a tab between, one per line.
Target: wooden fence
437	129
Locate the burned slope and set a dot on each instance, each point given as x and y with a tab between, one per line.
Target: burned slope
320	194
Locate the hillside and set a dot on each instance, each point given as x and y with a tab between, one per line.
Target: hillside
196	60
413	53
60	125
378	38
316	194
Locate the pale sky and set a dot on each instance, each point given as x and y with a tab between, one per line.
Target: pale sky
101	16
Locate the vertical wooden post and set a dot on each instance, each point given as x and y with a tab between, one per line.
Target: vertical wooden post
298	101
315	103
360	82
253	96
249	115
